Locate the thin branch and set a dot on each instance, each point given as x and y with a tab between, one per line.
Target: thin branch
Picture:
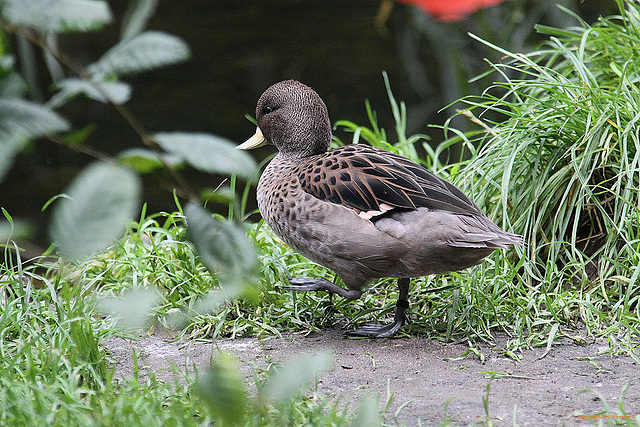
84	149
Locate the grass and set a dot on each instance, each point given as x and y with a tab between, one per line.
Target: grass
561	167
54	370
562	170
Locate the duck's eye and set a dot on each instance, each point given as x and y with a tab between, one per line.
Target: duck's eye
267	109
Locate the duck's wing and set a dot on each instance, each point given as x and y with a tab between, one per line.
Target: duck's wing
373	181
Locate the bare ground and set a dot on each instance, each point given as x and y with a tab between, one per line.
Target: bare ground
571	385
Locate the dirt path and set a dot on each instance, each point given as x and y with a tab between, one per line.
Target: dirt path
424	374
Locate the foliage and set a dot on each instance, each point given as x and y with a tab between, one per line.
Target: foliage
562	169
88	217
103	198
442	64
53	371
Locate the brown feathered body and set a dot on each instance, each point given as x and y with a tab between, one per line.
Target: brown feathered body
393	238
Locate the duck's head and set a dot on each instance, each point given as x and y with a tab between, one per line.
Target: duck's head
293	117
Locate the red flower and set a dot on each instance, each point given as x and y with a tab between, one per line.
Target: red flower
451	10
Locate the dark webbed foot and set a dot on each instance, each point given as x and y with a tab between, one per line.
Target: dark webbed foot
370	331
399	319
303	284
382	331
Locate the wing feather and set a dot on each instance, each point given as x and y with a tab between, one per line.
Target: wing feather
365	178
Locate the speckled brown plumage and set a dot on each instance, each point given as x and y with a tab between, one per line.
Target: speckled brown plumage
363	212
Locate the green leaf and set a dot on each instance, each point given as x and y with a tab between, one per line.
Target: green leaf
145	51
58	15
223	389
136	17
133	309
223	248
9	149
367	413
11	84
101	200
289	380
21	121
78	136
146	161
28	119
102	91
53	199
208	153
141	160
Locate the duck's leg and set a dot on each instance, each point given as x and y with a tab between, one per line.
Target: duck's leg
302	284
399	319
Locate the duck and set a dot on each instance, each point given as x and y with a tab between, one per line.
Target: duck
361	211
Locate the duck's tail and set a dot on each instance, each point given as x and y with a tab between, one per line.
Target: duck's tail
483	233
489	240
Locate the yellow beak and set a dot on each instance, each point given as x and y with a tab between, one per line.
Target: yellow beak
257	140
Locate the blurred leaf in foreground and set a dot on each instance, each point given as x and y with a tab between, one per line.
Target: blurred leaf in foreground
58	15
208	153
100	202
132	309
223	248
287	381
223	390
145	51
21	121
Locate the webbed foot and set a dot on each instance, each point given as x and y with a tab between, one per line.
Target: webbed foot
382	331
399	319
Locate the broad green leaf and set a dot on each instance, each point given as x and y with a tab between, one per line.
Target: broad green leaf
101	201
28	119
12	86
21	121
102	91
55	68
223	247
208	153
367	413
145	51
145	161
290	379
223	390
9	149
58	15
132	309
136	17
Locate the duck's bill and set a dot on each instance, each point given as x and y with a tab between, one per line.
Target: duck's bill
257	140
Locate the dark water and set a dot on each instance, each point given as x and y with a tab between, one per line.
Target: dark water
239	48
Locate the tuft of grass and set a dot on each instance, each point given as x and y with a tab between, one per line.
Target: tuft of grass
562	170
53	370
